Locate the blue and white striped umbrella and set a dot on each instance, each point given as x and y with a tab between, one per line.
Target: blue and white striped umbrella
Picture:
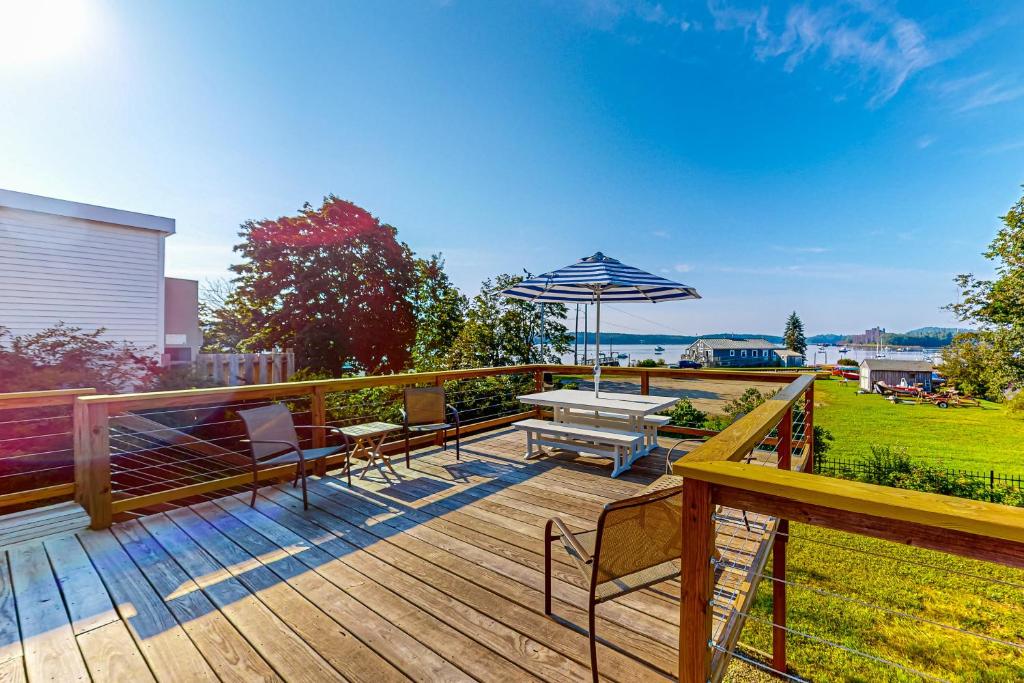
598	278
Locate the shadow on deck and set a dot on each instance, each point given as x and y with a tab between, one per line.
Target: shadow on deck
435	575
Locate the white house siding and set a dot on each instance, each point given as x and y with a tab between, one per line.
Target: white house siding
86	273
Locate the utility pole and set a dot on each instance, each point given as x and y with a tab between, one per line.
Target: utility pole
586	320
576	339
542	312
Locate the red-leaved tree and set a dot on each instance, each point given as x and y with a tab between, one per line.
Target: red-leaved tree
334	283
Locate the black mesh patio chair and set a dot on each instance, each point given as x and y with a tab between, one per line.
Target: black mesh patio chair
637	543
273	441
426	411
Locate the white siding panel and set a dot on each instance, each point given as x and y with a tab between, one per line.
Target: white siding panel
84	273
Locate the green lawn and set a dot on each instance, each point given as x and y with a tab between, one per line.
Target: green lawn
982	439
950	590
941	594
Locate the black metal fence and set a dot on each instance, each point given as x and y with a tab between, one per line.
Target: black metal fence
853	468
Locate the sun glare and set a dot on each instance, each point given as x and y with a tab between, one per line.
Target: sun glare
35	31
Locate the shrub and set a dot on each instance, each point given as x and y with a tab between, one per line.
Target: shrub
750	399
849	362
685	415
823	439
648	363
886	464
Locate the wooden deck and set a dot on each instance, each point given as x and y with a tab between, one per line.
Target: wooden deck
434	577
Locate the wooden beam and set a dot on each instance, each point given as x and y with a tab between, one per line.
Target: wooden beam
747	432
862	501
696	582
47	492
318	415
979	546
785	453
41	399
92	461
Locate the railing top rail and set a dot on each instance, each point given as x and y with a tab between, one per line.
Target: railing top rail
186	397
990	520
752	375
737	441
38	399
284	389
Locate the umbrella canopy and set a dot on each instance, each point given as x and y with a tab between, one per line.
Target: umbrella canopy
598	278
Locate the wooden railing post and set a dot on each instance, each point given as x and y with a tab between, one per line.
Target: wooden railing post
809	428
696	583
645	383
439	436
538	386
785	453
318	415
92	461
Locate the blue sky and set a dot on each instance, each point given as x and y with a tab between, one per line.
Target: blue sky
844	159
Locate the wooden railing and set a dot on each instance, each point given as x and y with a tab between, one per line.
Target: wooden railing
31	423
90	418
714	475
94	415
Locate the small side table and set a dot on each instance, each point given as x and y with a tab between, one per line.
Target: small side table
369	437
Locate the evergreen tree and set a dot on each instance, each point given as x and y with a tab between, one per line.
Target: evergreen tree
794	334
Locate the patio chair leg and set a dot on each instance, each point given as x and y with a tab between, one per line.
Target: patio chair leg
305	497
295	481
255	487
547	568
457	454
407	448
444	439
593	642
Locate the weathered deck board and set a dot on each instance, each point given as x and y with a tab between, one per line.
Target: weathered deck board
434	576
51	652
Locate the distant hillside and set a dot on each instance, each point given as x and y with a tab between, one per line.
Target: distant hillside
922	336
825	338
623	338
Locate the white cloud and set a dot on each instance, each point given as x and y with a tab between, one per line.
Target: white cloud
682	267
925	141
803	250
876	42
607	14
1010	146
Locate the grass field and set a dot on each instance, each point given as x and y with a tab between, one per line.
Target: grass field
983	439
878	597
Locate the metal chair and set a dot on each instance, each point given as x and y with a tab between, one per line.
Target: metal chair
637	543
426	411
273	441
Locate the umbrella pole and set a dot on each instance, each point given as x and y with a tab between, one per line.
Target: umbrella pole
597	343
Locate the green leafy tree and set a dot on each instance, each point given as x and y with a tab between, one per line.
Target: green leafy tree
794	334
333	283
989	361
503	331
224	316
440	312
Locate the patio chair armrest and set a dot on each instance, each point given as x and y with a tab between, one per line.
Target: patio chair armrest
405	417
329	428
454	412
571	540
293	446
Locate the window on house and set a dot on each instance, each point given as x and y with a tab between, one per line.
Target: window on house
732	352
743	353
765	353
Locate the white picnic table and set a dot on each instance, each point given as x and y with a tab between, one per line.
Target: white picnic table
633	407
